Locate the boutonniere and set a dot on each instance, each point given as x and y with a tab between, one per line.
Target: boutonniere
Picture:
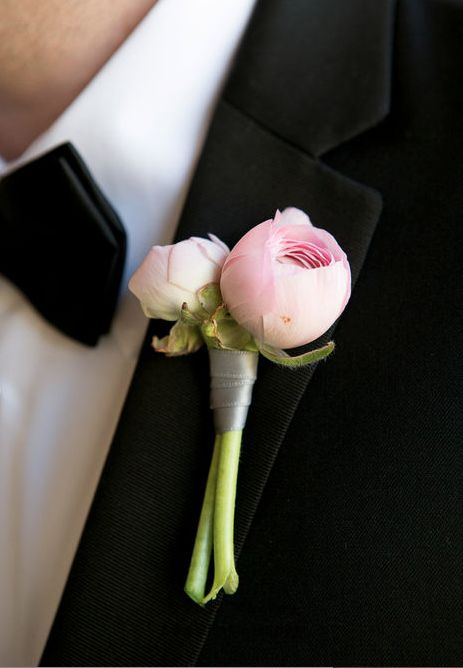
282	285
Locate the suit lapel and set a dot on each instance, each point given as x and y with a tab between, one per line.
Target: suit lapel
315	73
124	603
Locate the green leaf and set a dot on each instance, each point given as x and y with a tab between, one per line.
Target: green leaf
281	357
210	297
181	340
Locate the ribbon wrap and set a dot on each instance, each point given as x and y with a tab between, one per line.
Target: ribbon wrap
233	373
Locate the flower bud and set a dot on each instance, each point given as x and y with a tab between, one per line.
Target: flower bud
172	275
286	281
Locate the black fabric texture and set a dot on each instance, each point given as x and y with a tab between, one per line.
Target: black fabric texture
351	538
62	243
315	73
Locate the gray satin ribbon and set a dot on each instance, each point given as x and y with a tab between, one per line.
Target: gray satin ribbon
233	373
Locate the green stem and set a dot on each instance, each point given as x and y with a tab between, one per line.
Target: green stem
197	575
225	574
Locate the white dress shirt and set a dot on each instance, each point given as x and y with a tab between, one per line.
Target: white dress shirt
139	125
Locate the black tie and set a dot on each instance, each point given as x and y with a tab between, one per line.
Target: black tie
62	243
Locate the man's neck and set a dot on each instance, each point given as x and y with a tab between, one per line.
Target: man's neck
49	51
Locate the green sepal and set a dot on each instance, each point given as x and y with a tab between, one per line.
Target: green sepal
188	317
181	340
281	357
221	332
210	297
221	313
209	332
232	336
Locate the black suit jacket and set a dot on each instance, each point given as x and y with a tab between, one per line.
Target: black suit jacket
350	495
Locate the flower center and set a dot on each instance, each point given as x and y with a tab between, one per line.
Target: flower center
303	254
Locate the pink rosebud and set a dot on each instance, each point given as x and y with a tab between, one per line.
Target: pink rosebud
172	275
286	281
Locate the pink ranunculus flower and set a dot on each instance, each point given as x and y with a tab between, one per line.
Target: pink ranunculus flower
172	275
286	281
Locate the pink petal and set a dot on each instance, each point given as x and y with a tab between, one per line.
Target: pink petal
252	243
190	266
219	243
307	305
293	216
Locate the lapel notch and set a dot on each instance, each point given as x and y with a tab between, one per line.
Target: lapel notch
316	73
